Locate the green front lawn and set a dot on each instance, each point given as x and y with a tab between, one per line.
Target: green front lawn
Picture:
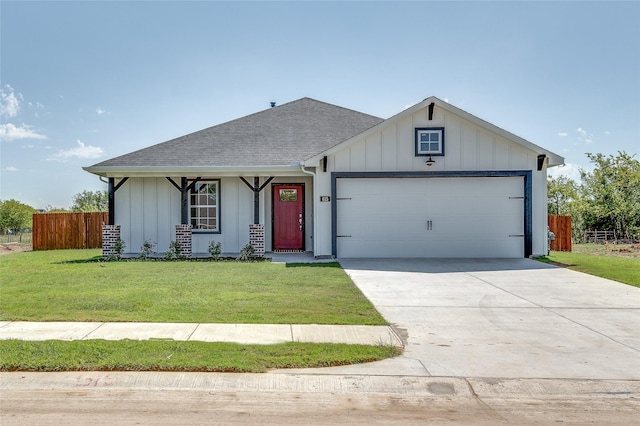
63	285
70	285
622	269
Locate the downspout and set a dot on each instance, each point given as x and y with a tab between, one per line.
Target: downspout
315	216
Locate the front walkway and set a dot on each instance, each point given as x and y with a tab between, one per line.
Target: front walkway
238	333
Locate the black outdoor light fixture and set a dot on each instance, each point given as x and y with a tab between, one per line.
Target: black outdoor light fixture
430	161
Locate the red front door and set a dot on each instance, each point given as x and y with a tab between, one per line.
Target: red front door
288	217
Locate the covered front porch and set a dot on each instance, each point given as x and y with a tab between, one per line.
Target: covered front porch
272	213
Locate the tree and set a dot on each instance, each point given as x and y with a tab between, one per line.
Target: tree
562	193
51	209
89	201
611	195
15	216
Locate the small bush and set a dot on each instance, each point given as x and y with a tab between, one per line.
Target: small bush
175	251
247	253
146	249
215	249
119	247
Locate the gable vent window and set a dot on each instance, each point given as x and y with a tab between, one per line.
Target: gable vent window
429	141
204	206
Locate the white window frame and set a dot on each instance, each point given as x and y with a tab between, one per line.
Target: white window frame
195	198
429	152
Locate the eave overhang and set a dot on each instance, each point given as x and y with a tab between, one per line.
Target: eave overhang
218	171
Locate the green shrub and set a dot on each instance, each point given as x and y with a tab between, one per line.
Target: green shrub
146	249
215	249
247	253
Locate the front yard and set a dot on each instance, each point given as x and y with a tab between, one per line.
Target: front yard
70	285
64	285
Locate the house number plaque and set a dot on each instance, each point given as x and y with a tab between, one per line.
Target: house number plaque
325	198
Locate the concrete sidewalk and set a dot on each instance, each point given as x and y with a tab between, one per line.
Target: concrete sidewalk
263	334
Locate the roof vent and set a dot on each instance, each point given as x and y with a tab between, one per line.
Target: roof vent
273	104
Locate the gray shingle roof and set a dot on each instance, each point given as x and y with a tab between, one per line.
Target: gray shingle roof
277	136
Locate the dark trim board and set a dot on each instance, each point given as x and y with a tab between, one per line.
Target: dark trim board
525	174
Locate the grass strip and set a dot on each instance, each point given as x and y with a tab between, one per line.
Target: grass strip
621	269
69	285
151	355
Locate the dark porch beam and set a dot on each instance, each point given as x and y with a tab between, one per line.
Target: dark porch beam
111	195
184	189
256	188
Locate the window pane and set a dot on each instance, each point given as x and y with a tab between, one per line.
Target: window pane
434	147
288	195
203	209
424	137
435	136
424	147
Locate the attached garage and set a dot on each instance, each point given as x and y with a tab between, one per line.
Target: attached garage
439	216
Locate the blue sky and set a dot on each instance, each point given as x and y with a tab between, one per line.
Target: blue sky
85	81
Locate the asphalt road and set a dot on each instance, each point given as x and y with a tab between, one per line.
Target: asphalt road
286	399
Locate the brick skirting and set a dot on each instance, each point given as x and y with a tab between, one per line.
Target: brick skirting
256	238
110	235
184	238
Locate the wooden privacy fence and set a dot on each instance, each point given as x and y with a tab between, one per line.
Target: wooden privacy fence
53	231
561	227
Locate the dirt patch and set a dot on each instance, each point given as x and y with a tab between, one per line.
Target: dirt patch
609	249
13	248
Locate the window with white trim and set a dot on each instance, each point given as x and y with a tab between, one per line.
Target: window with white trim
429	141
204	206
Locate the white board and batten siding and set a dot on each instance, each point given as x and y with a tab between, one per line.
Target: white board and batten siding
148	209
469	217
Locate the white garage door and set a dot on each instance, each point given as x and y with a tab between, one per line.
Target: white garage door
430	217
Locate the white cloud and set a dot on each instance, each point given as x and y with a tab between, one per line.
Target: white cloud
11	169
563	134
100	111
80	151
9	102
572	171
606	132
10	132
584	136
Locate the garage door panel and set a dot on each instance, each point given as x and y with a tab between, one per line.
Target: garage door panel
430	217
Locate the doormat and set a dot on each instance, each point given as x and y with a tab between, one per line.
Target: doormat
288	251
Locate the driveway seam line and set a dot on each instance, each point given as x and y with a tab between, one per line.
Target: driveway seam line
591	329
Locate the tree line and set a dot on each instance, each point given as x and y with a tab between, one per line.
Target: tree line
606	199
16	216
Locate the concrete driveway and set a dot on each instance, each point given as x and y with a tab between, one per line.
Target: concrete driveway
506	318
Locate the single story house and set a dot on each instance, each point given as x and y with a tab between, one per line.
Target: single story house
431	181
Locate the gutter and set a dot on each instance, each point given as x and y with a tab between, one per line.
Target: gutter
314	205
114	171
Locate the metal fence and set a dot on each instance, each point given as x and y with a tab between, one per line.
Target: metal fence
16	238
